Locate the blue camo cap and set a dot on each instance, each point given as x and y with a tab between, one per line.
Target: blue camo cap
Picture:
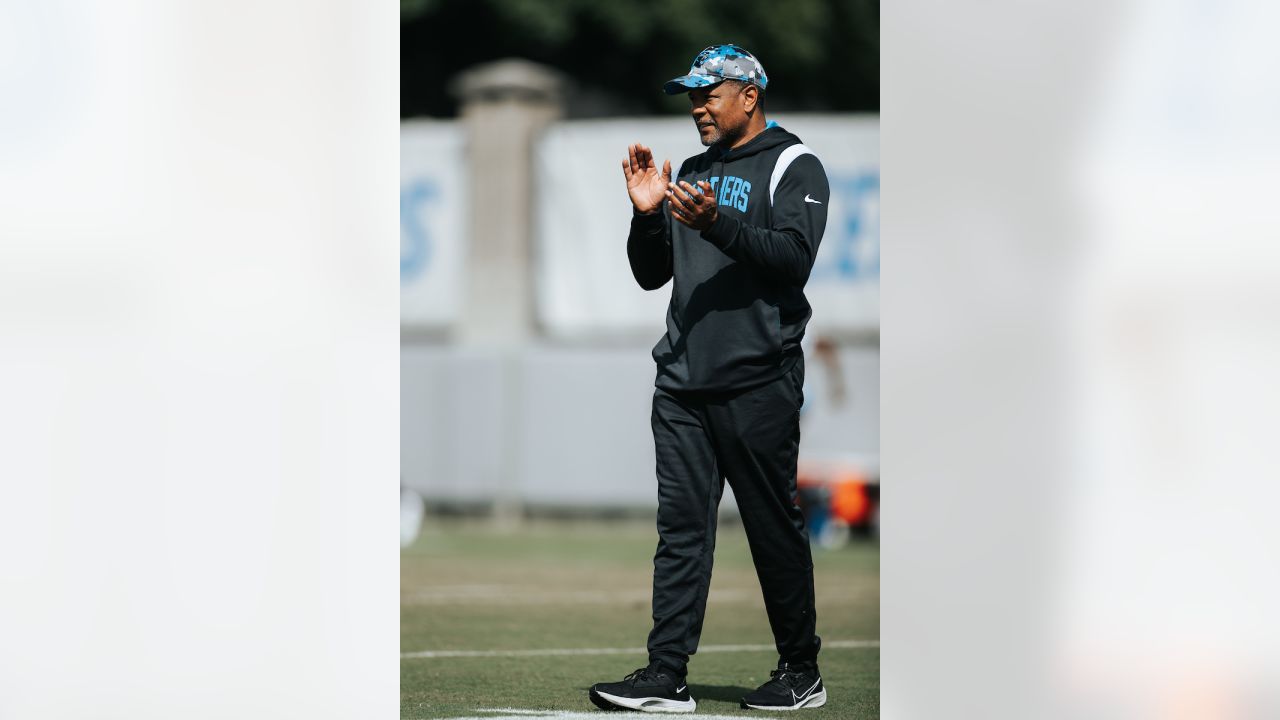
717	64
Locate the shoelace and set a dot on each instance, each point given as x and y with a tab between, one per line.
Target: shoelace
786	677
641	675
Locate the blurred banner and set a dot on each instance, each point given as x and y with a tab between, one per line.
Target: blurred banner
584	285
432	223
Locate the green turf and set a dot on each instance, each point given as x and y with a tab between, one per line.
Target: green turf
465	586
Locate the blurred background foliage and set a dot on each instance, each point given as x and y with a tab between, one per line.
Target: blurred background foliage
821	55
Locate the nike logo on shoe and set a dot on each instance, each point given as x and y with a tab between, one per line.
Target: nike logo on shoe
681	688
798	698
809	199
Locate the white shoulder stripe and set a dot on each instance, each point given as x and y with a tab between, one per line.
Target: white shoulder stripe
784	161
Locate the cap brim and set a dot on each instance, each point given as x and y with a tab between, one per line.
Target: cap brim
685	83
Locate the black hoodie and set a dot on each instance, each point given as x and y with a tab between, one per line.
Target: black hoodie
738	309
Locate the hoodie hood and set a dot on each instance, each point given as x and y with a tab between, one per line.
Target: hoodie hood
771	137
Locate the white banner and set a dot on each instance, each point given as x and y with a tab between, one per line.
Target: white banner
432	222
584	284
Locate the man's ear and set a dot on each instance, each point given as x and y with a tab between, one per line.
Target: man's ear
750	98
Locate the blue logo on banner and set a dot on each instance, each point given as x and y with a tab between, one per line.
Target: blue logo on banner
850	251
415	242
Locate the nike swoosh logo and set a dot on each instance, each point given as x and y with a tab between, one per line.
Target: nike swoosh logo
798	698
809	199
681	688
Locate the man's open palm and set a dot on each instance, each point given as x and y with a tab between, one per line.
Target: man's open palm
645	185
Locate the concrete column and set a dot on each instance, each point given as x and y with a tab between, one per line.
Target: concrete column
505	104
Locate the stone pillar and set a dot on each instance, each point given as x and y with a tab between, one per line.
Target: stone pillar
505	105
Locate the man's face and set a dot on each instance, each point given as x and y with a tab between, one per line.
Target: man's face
720	112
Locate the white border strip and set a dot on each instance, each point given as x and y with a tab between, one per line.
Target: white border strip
832	645
783	162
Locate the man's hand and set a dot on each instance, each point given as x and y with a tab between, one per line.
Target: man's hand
645	185
695	207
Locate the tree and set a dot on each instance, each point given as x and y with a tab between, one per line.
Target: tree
821	55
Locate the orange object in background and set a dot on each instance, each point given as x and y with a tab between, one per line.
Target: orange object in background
849	499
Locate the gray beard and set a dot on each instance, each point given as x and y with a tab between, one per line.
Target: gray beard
725	139
719	137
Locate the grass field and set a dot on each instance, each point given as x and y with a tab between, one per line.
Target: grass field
585	585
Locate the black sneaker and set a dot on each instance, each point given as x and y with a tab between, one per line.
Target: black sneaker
651	689
794	686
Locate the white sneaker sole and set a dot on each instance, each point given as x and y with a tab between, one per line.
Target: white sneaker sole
652	704
817	699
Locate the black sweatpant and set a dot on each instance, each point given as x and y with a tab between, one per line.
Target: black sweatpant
750	437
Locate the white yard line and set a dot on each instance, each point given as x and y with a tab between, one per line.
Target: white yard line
546	652
520	595
503	595
515	714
